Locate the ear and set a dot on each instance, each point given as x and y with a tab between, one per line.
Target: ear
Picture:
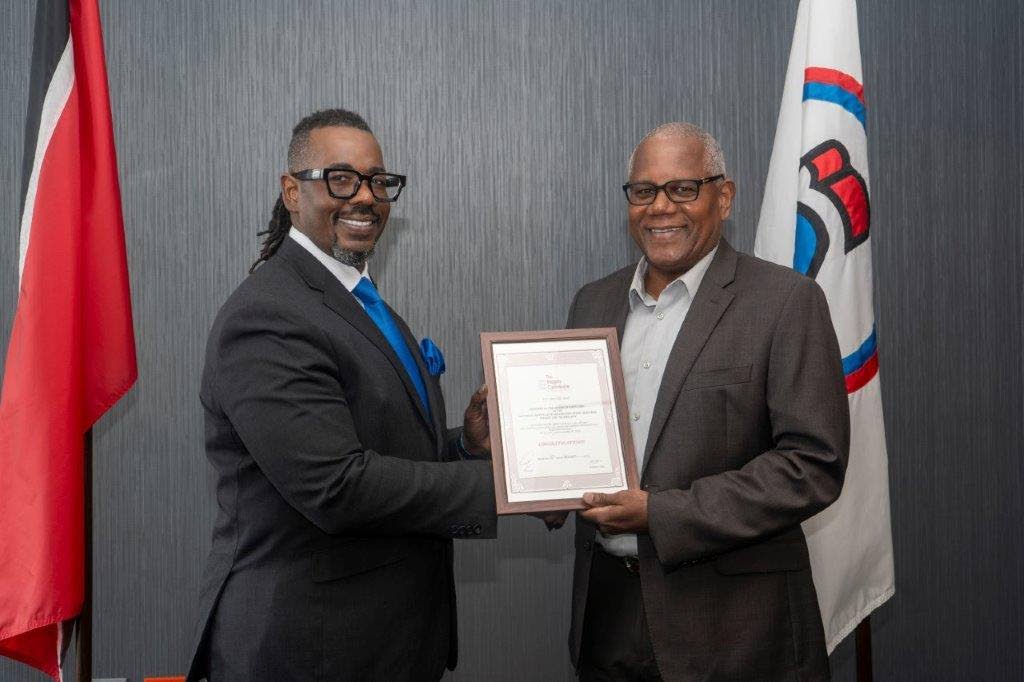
290	192
725	196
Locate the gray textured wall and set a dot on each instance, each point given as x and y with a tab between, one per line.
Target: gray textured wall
513	121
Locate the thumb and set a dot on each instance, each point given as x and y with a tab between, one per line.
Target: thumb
478	401
596	499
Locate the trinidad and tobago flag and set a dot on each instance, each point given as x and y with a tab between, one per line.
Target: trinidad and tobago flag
72	350
816	219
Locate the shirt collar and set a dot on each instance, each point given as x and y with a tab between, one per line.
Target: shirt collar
346	274
690	279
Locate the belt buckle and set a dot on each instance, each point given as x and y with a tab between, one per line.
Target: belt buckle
631	563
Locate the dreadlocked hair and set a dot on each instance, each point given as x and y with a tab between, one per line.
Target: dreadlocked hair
280	217
277	230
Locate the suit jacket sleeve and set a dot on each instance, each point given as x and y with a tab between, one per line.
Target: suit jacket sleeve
799	476
277	382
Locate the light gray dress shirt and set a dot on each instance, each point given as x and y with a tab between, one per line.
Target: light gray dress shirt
651	330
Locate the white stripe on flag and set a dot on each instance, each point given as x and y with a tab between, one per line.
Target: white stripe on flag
60	650
56	99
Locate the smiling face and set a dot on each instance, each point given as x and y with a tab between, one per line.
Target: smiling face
673	237
346	229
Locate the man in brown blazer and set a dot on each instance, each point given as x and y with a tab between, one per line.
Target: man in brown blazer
739	413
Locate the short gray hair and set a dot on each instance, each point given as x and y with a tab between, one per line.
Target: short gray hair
714	159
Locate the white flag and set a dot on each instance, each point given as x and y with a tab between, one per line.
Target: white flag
816	219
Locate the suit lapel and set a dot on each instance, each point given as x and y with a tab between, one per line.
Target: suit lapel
431	383
612	306
341	301
706	310
618	310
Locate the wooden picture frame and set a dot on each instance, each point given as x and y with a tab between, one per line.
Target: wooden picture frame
559	423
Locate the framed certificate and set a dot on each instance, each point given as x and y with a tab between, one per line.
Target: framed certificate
558	422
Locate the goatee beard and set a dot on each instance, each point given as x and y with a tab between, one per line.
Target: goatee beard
356	259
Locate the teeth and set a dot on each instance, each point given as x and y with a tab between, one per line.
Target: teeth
665	230
356	223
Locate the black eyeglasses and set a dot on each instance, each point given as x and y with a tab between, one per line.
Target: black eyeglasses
343	183
679	191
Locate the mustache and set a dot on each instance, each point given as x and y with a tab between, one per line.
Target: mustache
356	214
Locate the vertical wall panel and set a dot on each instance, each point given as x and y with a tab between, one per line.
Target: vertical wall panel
514	121
945	105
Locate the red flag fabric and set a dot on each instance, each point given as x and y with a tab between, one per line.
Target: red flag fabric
71	354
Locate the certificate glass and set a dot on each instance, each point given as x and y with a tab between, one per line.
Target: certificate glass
557	413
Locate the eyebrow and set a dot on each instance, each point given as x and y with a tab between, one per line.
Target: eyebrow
348	166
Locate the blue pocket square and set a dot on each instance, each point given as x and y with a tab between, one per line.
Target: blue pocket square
432	357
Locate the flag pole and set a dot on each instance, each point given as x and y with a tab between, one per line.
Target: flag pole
83	633
864	664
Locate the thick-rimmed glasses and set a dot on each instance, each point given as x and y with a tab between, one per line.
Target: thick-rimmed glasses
679	191
343	183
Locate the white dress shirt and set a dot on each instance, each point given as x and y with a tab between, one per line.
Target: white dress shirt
652	326
346	274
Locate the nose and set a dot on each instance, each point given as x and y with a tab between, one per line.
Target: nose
363	196
662	204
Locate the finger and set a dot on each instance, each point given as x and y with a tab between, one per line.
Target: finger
555	520
611	518
595	515
478	402
596	499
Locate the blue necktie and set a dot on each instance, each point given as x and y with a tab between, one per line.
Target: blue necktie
378	312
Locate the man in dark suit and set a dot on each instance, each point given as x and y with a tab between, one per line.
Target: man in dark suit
739	413
338	488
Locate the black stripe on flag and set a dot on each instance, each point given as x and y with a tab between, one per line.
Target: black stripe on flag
52	30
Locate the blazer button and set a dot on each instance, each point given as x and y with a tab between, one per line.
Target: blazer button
588	545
